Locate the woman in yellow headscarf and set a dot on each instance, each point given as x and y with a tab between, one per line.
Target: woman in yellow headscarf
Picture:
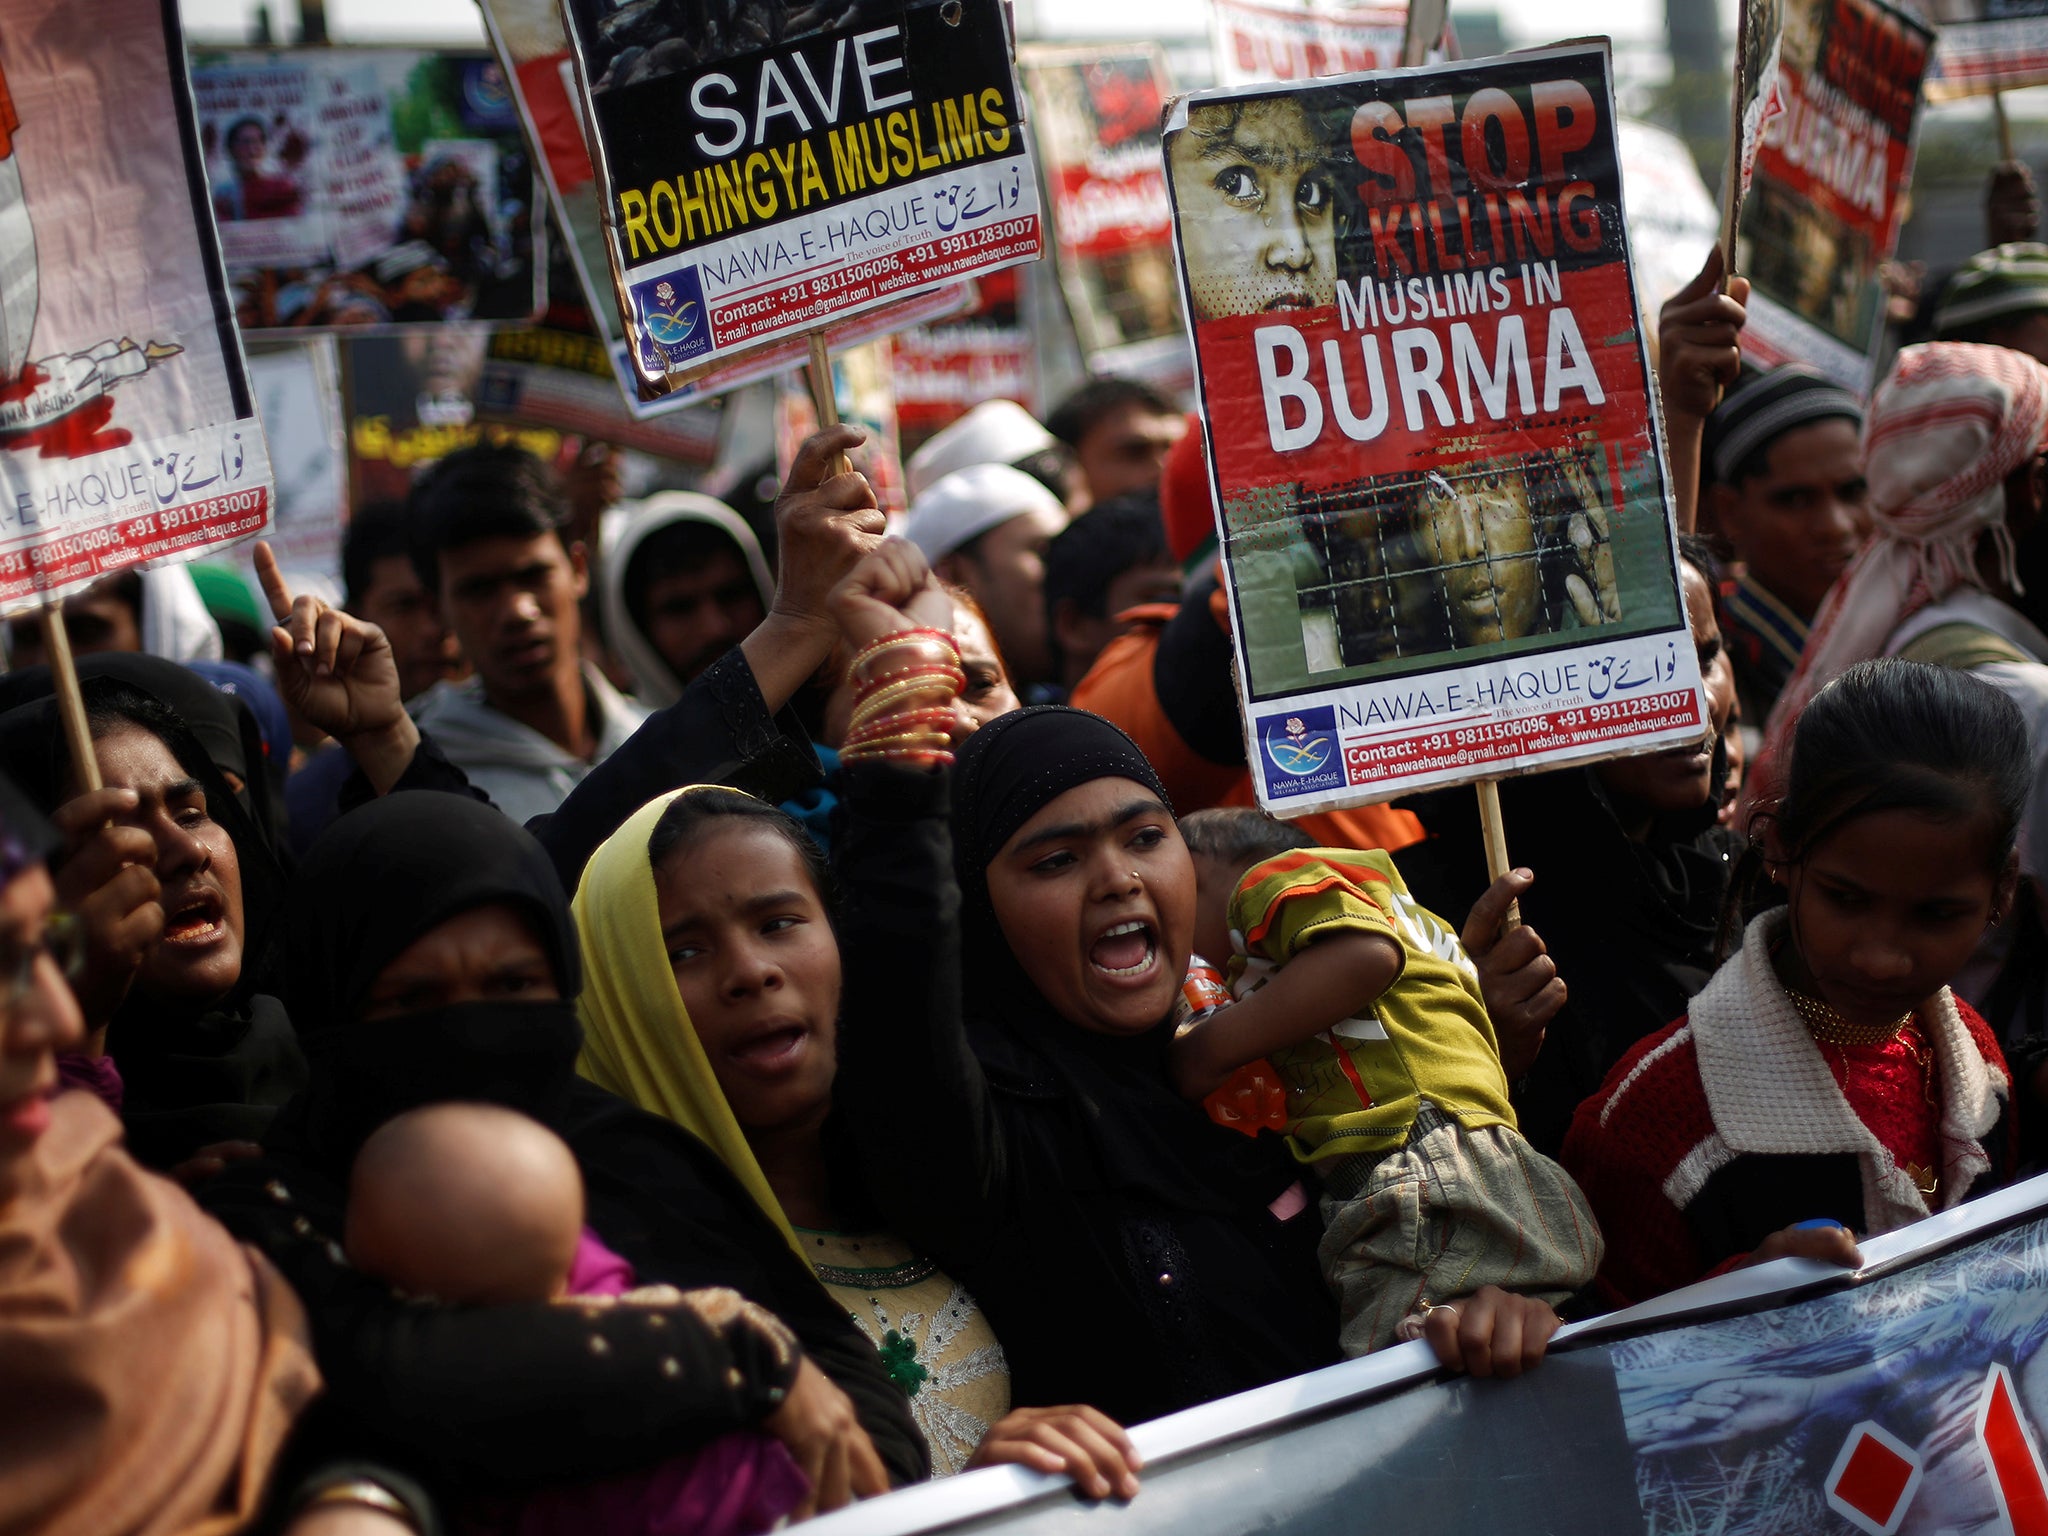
713	1000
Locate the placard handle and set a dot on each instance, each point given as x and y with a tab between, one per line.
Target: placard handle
1496	837
70	701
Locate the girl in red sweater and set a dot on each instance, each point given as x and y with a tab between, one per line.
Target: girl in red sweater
1827	1071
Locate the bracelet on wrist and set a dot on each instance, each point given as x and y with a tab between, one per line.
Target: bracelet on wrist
363	1494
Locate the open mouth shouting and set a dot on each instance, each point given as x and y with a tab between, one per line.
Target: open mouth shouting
196	921
1126	952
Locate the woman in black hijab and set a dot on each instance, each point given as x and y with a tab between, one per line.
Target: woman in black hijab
431	957
1016	1121
178	991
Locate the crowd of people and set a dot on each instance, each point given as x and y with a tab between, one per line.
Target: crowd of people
668	1022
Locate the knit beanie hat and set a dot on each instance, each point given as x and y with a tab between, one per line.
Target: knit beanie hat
1997	284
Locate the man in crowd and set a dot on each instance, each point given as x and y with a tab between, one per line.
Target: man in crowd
986	528
384	588
1999	297
996	432
486	530
684	582
159	613
1120	431
1108	561
1783	461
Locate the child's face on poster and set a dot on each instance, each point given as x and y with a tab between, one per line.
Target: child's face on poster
1257	205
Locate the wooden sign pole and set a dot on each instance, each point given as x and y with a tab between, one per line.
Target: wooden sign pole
70	701
2004	126
1496	838
824	397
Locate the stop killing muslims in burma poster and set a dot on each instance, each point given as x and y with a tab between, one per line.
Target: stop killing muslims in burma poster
1434	445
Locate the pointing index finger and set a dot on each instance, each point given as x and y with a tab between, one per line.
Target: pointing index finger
275	590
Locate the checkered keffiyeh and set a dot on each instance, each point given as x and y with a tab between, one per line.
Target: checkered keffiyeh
1945	430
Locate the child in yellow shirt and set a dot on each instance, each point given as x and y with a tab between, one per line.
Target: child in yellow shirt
1369	1009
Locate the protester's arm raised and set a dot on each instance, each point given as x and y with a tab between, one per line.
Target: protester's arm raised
945	1172
724	729
1699	354
339	675
824	525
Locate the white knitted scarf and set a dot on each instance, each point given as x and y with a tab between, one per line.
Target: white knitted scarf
1771	1091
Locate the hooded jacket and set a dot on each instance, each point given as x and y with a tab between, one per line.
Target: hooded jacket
525	774
655	683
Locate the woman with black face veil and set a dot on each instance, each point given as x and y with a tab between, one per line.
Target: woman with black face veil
1009	975
176	887
432	957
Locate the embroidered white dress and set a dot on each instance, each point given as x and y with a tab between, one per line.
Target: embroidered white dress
931	1334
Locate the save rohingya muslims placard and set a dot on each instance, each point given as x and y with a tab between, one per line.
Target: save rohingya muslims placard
1987	45
763	177
1433	441
128	432
1824	209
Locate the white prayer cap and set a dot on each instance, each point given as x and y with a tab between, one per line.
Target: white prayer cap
967	503
994	432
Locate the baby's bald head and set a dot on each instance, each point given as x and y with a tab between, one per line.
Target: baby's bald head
466	1203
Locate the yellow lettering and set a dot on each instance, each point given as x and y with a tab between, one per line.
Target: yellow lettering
671	228
998	134
904	159
846	158
633	209
812	176
760	185
732	193
786	169
925	162
694	208
872	145
961	124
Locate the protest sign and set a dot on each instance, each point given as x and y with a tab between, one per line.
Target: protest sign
943	370
1909	1396
1986	45
761	183
128	432
545	376
369	188
534	51
411	401
1097	123
1257	41
1824	209
1759	30
1673	221
1433	441
298	395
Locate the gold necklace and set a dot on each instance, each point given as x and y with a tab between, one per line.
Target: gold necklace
1825	1023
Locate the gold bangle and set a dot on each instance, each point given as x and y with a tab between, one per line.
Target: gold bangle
362	1492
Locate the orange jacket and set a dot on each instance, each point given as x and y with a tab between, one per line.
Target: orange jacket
1121	687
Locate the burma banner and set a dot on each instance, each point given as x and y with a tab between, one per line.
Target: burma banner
1434	445
1907	1397
298	395
369	188
762	177
128	430
1097	124
943	370
1987	45
1261	40
1825	206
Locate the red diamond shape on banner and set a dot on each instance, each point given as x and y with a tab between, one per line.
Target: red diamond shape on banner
1873	1479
